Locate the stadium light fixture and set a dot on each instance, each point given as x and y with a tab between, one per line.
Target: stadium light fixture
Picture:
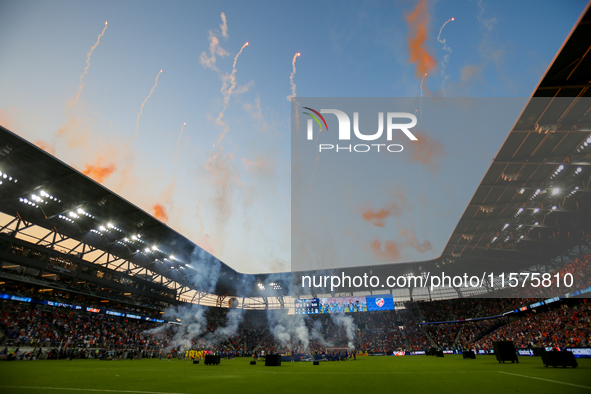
25	201
510	177
43	193
572	193
557	171
67	219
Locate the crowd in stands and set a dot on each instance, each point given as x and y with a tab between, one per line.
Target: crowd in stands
49	327
82	288
379	332
574	275
562	326
65	297
65	333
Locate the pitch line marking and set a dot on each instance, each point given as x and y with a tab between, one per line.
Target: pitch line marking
95	390
546	380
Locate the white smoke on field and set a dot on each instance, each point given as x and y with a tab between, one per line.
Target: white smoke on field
243	286
316	333
157	330
289	331
203	272
193	322
340	319
233	319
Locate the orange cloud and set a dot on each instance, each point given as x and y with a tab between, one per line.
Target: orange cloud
8	118
379	217
418	21
99	172
391	251
46	147
160	213
470	72
413	242
427	150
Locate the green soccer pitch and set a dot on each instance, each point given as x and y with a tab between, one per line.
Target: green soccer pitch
409	374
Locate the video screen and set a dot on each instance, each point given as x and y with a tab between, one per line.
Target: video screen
380	303
340	305
308	306
313	306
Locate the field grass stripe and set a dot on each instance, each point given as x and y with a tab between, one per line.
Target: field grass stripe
96	390
546	380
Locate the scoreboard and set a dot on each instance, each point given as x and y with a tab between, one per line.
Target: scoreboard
314	306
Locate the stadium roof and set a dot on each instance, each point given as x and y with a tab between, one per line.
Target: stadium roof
533	205
38	189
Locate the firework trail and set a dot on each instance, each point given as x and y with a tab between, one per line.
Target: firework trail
296	103
137	123
72	103
178	145
317	156
421	97
330	245
446	56
293	85
445	47
211	157
228	94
